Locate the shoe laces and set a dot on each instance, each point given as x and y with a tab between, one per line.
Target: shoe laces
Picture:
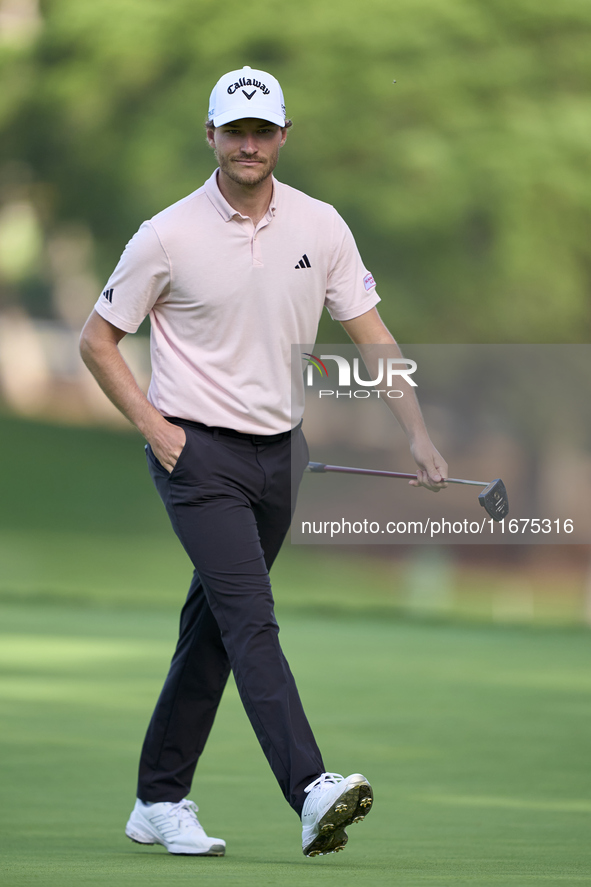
185	811
326	778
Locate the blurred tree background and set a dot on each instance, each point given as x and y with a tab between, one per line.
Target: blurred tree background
467	183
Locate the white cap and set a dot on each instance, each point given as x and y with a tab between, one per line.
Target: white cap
246	93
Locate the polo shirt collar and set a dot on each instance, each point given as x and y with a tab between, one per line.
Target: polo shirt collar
228	212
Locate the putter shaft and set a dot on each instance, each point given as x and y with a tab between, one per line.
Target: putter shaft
493	498
321	468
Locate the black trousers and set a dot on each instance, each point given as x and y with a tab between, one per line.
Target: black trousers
229	501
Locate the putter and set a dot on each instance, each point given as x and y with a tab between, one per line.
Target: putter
493	498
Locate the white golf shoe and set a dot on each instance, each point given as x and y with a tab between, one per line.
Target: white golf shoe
175	826
333	803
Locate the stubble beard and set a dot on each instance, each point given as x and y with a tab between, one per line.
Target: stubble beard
244	177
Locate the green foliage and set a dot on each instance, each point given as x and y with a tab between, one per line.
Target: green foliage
466	184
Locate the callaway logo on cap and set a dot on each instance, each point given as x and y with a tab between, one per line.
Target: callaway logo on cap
246	93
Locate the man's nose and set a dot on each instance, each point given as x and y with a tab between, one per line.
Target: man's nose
249	145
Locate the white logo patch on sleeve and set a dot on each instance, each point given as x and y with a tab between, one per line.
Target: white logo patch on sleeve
368	282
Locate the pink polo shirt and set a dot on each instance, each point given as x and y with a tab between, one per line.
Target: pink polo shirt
227	300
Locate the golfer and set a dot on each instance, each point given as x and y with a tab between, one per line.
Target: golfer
231	276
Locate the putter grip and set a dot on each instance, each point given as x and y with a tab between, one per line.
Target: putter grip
316	466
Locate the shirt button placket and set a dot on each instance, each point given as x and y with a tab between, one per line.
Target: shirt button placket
257	256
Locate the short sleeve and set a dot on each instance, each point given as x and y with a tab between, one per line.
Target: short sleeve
141	278
351	289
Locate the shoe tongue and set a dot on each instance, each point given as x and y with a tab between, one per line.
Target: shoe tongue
187	811
331	778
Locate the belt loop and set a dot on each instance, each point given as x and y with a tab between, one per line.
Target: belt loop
215	433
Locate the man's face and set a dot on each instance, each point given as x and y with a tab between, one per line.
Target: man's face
247	150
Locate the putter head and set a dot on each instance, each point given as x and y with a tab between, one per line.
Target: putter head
494	499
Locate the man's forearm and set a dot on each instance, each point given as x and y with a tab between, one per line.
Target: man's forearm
374	341
99	347
105	362
405	408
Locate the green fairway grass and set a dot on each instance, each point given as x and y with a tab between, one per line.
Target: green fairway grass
80	522
475	736
476	740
